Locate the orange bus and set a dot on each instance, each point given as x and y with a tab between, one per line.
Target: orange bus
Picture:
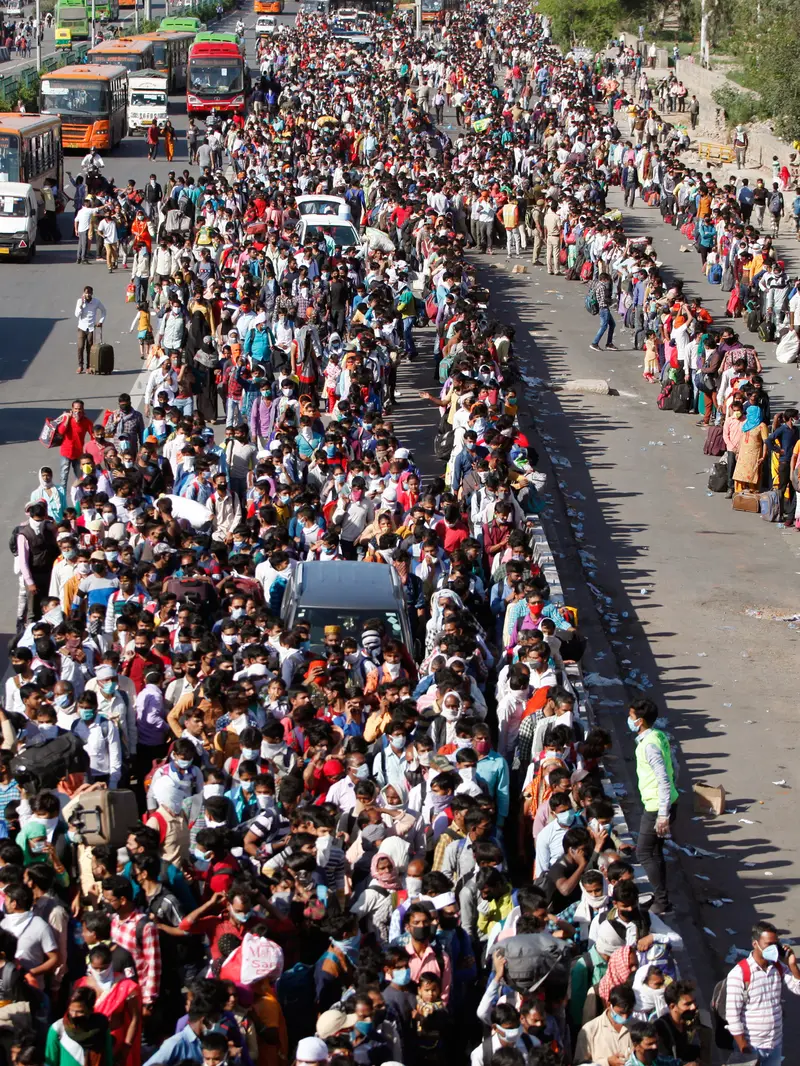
268	7
124	52
170	54
91	99
30	149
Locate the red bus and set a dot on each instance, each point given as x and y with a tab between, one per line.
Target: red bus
217	79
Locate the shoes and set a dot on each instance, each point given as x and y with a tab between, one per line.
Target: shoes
595	348
729	494
612	348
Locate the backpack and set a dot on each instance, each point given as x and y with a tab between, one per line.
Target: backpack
714	443
295	990
664	401
592	305
769	505
681	399
775	203
44	765
753	316
586	271
719	1003
766	331
12	540
715	275
488	1051
532	957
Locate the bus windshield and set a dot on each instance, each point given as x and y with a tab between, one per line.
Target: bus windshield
148	98
216	76
9	157
160	52
71	14
62	98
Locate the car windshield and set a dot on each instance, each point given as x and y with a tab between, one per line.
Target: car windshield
13	207
148	98
319	207
72	99
210	76
342	236
351	621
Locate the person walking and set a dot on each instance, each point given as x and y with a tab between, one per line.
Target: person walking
601	287
740	144
169	140
655	773
153	134
694	111
753	990
90	314
552	230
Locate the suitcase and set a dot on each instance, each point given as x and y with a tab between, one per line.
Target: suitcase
104	817
746	501
101	358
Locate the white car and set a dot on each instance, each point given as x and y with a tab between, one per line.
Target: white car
266	24
340	230
323	205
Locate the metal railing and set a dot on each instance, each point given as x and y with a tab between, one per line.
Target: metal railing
28	77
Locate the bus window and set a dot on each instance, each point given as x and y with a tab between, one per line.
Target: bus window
9	157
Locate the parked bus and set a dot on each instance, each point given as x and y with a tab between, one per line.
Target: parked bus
170	54
123	52
107	10
30	148
268	7
182	23
218	78
72	18
221	38
435	10
91	100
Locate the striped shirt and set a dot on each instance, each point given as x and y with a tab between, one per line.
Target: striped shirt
758	1014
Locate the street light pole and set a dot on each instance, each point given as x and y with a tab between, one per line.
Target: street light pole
93	25
417	19
38	36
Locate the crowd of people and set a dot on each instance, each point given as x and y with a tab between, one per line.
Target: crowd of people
337	846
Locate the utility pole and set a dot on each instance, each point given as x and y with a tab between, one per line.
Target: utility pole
417	19
148	10
93	24
38	36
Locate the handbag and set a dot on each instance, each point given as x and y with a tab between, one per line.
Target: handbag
51	435
130	293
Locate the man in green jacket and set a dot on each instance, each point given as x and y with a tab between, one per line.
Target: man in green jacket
655	772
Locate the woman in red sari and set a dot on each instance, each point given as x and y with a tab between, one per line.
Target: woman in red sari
120	1000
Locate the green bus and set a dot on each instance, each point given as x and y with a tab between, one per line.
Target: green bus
108	10
220	38
73	15
182	24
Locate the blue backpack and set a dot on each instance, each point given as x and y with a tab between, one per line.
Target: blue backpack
715	274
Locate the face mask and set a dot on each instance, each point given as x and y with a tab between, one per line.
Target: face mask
508	1036
69	553
618	1019
240	917
361	772
771	954
247	785
213	790
104	977
48	732
63	700
401	977
467	773
183	764
365	1027
87	714
632	724
424	758
83	569
565	818
398	742
109	688
36	525
38	846
265	801
451	713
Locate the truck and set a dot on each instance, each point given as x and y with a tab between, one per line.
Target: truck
147	99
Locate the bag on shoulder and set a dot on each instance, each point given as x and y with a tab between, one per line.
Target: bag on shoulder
775	203
592	305
719	1006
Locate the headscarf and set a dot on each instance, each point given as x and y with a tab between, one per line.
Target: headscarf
448	714
619	970
382	878
33	828
91	1037
754	416
650	1002
167	794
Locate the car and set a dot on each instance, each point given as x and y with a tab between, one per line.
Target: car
346	594
341	230
265	25
19	212
322	205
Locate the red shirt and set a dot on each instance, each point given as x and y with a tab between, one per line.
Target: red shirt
451	537
74	431
138	666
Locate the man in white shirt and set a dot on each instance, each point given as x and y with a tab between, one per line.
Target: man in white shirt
108	231
355	512
90	313
83	222
37	947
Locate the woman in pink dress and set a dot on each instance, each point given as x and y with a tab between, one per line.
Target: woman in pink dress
120	1000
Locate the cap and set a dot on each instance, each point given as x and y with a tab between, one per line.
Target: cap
162	549
401	453
579	775
331	1022
311	1049
332	631
105	673
99	557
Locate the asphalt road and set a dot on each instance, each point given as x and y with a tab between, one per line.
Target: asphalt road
664	575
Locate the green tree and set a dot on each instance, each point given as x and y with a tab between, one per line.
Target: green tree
590	22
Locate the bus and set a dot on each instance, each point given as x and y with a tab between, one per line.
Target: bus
30	149
182	24
107	10
170	54
91	100
218	78
74	18
123	52
436	10
268	7
221	38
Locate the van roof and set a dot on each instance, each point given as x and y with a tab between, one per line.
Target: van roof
14	188
347	585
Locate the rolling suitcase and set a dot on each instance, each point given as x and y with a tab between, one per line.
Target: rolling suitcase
103	817
746	501
101	356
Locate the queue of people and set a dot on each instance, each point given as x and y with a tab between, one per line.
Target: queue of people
349	848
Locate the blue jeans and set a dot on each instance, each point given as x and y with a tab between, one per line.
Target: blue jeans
185	405
75	464
233	416
769	1056
606	323
408	338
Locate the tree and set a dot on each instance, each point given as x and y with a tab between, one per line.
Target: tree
593	22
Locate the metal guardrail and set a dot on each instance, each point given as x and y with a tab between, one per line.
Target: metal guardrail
28	76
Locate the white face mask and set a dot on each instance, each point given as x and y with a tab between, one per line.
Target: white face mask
413	885
393	670
213	790
103	977
239	724
424	758
35	525
265	802
214	825
467	773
